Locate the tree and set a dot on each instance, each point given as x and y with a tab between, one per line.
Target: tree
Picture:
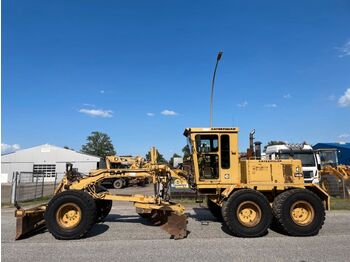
160	158
186	151
171	161
98	144
273	143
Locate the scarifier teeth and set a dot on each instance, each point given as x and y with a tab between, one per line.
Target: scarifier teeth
176	226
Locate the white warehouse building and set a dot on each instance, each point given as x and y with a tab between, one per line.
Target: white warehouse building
45	159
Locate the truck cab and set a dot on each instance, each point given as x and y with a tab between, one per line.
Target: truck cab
303	152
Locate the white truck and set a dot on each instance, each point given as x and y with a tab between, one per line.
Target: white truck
304	152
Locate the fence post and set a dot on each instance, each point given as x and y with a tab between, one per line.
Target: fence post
54	184
14	187
42	186
36	183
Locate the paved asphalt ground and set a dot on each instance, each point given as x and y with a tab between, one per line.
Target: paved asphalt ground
124	236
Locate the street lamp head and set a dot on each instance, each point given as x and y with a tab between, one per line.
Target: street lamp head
219	56
212	87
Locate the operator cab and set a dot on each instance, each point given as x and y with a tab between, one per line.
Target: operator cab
328	157
214	154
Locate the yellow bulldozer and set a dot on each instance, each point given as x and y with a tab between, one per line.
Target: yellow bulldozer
247	194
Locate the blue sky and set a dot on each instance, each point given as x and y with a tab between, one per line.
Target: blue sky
141	71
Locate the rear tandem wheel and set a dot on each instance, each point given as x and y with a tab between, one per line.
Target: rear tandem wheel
247	213
299	212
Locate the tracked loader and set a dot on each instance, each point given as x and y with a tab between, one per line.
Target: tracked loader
247	194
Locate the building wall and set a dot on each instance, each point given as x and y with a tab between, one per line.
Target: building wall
23	160
9	168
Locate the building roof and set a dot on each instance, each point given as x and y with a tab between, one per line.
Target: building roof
334	145
48	153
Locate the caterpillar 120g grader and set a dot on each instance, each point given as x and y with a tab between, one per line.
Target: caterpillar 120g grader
129	162
248	195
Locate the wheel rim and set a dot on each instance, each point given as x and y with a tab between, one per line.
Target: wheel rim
302	213
249	214
68	215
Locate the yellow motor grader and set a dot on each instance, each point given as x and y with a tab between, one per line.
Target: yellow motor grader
126	162
247	194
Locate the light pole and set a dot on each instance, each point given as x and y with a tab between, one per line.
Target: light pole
212	87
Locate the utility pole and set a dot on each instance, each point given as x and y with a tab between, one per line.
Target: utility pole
212	87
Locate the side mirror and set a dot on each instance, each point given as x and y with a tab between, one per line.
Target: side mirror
319	167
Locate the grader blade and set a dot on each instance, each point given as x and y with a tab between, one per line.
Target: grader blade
176	226
29	221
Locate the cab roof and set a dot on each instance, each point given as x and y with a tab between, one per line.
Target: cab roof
210	130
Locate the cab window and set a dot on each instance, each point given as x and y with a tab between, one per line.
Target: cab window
208	158
225	151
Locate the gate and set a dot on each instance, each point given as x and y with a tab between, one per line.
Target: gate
28	186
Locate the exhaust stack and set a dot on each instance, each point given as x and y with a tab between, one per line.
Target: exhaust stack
250	150
258	149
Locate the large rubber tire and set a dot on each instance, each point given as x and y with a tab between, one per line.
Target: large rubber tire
145	215
239	203
118	183
87	213
103	207
330	184
214	209
309	204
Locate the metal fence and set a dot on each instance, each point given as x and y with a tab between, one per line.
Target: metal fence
336	186
27	186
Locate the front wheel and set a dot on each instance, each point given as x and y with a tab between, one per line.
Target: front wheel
70	214
299	212
247	213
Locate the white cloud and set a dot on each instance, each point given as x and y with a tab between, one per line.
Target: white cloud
344	50
5	148
287	96
91	105
243	104
270	105
102	91
150	114
167	112
344	100
97	112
